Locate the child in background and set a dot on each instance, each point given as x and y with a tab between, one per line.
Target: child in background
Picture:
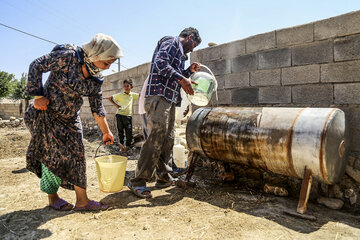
124	102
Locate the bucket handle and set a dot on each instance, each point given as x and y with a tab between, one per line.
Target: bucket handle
97	149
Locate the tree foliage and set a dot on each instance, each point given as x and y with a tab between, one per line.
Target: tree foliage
18	88
6	83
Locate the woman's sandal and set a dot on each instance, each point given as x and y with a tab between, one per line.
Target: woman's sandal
92	206
172	182
61	205
139	191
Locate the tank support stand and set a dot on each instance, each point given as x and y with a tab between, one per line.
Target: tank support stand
305	191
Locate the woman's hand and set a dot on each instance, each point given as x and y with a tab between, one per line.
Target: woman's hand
41	103
108	138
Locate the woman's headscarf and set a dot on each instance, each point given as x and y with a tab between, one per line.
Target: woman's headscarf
101	48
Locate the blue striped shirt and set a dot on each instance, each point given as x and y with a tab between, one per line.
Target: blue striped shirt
167	69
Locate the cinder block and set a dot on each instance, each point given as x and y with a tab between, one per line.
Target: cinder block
244	96
313	94
341	72
318	52
260	42
337	26
235	80
220	67
244	63
347	48
274	58
265	77
347	93
220	81
211	53
295	35
300	74
275	94
232	49
224	98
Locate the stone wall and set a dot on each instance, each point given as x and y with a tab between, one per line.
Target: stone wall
9	108
312	65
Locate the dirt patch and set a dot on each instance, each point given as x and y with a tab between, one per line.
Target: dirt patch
211	210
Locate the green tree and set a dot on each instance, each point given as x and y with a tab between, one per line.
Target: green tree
18	89
6	81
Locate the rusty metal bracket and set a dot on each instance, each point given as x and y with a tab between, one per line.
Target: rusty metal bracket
305	191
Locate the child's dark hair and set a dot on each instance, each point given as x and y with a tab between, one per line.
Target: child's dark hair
128	81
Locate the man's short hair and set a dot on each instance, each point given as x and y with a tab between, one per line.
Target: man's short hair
128	81
191	31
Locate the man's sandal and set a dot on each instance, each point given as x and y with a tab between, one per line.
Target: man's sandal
172	182
61	205
139	191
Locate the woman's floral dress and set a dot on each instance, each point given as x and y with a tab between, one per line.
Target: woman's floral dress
56	134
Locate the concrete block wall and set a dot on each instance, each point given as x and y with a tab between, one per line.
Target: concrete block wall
312	65
113	84
11	109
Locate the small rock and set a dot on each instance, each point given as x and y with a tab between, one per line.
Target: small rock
8	122
354	174
21	119
12	118
332	203
278	191
351	195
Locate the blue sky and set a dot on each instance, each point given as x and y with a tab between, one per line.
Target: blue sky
137	25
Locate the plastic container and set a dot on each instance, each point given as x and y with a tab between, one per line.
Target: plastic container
111	172
180	154
206	86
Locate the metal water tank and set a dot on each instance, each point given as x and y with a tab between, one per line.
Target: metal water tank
281	140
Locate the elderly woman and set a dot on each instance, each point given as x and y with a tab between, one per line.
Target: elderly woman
56	151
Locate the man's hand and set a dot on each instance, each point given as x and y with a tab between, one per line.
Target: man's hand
195	67
186	85
108	138
41	103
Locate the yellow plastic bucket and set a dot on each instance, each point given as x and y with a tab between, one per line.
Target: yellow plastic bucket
111	172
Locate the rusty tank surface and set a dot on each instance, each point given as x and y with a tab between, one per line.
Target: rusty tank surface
280	140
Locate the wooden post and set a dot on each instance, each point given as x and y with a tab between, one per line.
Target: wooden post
305	191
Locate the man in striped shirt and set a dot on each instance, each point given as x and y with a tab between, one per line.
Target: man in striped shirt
167	76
